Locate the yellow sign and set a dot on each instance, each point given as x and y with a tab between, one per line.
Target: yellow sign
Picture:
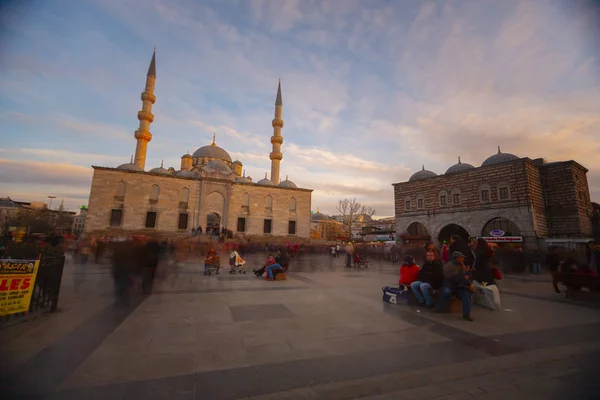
17	280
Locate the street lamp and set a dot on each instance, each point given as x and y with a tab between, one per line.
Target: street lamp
50	205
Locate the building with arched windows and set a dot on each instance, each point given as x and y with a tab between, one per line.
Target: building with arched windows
208	189
507	198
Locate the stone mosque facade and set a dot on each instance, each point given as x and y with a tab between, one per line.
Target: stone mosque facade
209	188
532	202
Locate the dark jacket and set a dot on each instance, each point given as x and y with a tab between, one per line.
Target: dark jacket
432	273
482	270
553	262
454	277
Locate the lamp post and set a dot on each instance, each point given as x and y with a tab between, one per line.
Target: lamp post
50	205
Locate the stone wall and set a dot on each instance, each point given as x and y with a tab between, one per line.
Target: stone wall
205	196
280	212
538	203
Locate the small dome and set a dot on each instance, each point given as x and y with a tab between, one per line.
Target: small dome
243	179
265	181
160	170
217	166
422	174
318	216
185	174
287	184
213	151
499	158
458	167
186	155
237	162
129	167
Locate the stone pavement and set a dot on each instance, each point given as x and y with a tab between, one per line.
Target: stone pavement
322	334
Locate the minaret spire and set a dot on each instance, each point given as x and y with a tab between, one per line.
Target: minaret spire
142	134
276	139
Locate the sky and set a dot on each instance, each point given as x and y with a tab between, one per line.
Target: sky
372	90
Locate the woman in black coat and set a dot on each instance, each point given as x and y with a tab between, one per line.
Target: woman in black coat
482	270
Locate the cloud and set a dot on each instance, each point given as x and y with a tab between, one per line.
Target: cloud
34	173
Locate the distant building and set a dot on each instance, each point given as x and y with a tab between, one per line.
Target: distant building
507	199
323	227
79	221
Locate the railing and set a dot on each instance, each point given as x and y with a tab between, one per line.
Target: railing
47	283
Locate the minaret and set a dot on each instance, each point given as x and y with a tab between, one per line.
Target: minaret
143	135
276	139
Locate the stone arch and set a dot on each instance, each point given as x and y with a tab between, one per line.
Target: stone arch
418	229
508	226
184	195
215	203
293	204
246	199
268	202
154	193
452	229
120	189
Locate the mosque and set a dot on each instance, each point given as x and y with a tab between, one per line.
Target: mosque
208	188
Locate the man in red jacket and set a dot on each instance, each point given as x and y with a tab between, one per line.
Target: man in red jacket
409	272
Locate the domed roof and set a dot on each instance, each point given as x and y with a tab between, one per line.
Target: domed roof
243	179
287	184
160	170
265	181
186	155
217	166
184	173
499	158
458	167
130	167
237	162
422	174
212	151
318	216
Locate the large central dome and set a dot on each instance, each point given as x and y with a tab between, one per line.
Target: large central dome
212	151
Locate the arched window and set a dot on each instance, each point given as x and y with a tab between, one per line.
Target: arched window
292	204
443	198
420	201
485	193
407	203
120	190
456	197
269	203
184	195
154	193
246	202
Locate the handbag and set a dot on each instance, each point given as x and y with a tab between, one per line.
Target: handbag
497	273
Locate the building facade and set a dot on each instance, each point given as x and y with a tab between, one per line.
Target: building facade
520	199
208	189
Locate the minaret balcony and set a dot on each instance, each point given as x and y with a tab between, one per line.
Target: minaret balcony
145	116
277	122
276	139
275	155
144	135
148	96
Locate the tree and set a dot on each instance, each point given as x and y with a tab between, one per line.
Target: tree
353	212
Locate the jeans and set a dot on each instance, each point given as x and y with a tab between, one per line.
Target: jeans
348	259
421	291
272	267
463	295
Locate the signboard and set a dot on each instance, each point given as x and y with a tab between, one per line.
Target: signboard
497	233
504	239
17	279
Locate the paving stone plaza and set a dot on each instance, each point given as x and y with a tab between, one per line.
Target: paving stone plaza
322	334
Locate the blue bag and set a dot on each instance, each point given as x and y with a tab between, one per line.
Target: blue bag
394	295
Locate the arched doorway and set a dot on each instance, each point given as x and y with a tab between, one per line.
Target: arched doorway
506	225
452	229
418	229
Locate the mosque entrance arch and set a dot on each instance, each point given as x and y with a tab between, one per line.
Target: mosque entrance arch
504	224
213	219
452	229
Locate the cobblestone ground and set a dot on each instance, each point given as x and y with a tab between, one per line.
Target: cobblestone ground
322	334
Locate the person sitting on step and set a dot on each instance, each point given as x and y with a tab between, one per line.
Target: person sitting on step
270	261
409	271
431	276
456	282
